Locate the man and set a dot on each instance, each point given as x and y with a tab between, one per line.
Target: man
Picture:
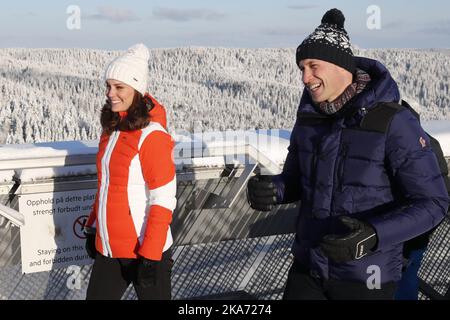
363	192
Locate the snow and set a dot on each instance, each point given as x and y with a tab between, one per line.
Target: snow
57	94
36	174
272	143
208	162
6	176
439	129
47	149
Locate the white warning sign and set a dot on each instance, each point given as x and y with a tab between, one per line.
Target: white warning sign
52	235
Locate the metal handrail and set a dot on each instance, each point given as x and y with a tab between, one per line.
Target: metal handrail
252	154
12	215
89	158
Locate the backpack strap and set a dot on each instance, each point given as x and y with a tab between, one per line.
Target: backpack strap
380	117
408	106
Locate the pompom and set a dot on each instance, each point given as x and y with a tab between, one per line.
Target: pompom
334	16
139	50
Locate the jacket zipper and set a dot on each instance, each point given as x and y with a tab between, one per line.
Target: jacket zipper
314	167
341	167
105	187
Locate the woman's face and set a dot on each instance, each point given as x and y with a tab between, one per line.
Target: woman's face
120	95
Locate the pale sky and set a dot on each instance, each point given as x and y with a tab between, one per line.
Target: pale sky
231	23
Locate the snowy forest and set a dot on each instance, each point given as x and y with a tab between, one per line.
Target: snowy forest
56	94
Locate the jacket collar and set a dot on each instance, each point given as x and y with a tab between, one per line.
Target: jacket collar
157	113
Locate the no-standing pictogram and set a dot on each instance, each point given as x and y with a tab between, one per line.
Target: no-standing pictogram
78	226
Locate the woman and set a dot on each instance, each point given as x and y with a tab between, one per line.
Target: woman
128	231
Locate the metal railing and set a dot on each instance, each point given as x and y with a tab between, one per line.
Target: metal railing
222	247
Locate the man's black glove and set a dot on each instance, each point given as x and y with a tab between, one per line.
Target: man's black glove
146	272
261	193
90	242
353	245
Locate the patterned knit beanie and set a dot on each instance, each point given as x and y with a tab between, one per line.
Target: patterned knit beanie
329	42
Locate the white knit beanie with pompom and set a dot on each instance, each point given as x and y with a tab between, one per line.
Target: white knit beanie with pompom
131	68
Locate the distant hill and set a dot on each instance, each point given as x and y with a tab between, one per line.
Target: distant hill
56	94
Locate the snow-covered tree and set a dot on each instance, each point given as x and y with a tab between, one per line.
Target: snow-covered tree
57	94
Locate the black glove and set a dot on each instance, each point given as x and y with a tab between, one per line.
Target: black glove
353	245
146	272
90	242
261	193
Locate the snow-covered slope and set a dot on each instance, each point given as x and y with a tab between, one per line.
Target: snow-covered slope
56	94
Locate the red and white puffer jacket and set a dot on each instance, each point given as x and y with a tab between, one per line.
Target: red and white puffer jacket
136	191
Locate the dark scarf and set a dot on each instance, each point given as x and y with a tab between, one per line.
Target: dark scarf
361	80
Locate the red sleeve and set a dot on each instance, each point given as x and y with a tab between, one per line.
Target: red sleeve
158	168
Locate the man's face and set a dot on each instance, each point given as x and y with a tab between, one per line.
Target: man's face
323	80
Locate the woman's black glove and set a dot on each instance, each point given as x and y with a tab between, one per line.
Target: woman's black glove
146	272
90	234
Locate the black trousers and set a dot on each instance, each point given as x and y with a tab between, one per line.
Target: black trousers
110	278
301	285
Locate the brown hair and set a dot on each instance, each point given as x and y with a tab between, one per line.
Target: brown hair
137	115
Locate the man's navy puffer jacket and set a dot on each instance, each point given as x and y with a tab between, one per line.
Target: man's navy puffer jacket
391	180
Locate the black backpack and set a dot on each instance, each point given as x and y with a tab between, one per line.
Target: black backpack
379	119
